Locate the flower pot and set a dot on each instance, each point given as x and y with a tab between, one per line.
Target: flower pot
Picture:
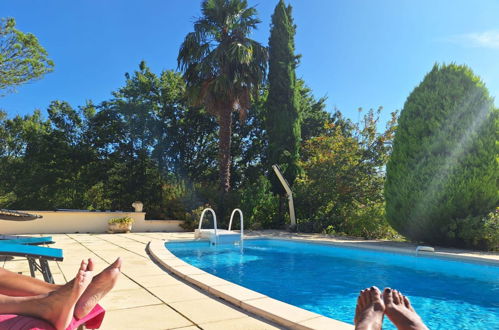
119	228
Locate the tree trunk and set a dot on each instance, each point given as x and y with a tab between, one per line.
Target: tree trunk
225	136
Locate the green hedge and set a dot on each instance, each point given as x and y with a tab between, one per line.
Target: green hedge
443	168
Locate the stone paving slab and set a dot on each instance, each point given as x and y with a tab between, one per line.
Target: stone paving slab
148	317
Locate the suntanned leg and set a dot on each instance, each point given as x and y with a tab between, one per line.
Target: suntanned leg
55	307
370	309
400	311
100	286
17	285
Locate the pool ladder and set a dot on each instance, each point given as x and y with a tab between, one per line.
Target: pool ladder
220	236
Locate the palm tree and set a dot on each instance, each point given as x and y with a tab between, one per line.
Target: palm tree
223	68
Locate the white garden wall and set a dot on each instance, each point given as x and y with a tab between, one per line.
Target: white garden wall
55	222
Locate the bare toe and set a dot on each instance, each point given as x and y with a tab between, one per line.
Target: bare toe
400	312
395	296
407	304
369	309
401	297
387	296
83	266
375	293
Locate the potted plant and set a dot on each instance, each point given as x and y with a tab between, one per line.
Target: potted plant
120	225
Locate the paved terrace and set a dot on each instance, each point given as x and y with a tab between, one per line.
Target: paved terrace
148	297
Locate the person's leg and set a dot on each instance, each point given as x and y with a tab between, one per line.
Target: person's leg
17	285
399	310
100	286
56	307
13	284
369	310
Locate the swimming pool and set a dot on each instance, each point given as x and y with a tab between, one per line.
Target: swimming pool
326	279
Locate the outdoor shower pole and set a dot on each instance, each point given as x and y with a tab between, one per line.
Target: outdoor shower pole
289	194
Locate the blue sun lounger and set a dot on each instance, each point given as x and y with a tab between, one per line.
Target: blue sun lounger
27	240
34	253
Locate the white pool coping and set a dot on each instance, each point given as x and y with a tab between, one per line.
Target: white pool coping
483	258
274	310
271	309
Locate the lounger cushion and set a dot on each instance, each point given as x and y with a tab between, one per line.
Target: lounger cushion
17	322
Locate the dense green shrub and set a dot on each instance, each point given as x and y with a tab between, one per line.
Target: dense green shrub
480	232
256	201
341	191
200	196
192	218
177	199
95	197
260	205
368	221
442	174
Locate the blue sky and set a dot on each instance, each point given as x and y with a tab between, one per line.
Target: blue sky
358	53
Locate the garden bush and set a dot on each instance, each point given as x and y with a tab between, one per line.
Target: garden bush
368	221
341	191
442	174
200	196
260	205
192	218
480	232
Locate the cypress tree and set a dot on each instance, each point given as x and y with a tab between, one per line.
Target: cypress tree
443	168
283	117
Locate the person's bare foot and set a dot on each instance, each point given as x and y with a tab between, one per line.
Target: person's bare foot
370	309
399	310
57	306
100	286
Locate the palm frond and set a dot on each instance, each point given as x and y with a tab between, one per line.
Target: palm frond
222	66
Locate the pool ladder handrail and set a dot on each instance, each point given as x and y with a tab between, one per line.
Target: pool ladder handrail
214	220
242	222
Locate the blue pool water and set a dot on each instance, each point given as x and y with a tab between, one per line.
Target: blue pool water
327	279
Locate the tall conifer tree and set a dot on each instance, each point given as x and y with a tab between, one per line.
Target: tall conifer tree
442	176
283	116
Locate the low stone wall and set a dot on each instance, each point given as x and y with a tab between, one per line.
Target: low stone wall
158	225
55	222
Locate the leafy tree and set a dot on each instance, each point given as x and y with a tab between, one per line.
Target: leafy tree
444	164
22	58
312	112
223	67
342	188
19	133
129	172
249	144
283	117
43	164
250	139
185	136
147	137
